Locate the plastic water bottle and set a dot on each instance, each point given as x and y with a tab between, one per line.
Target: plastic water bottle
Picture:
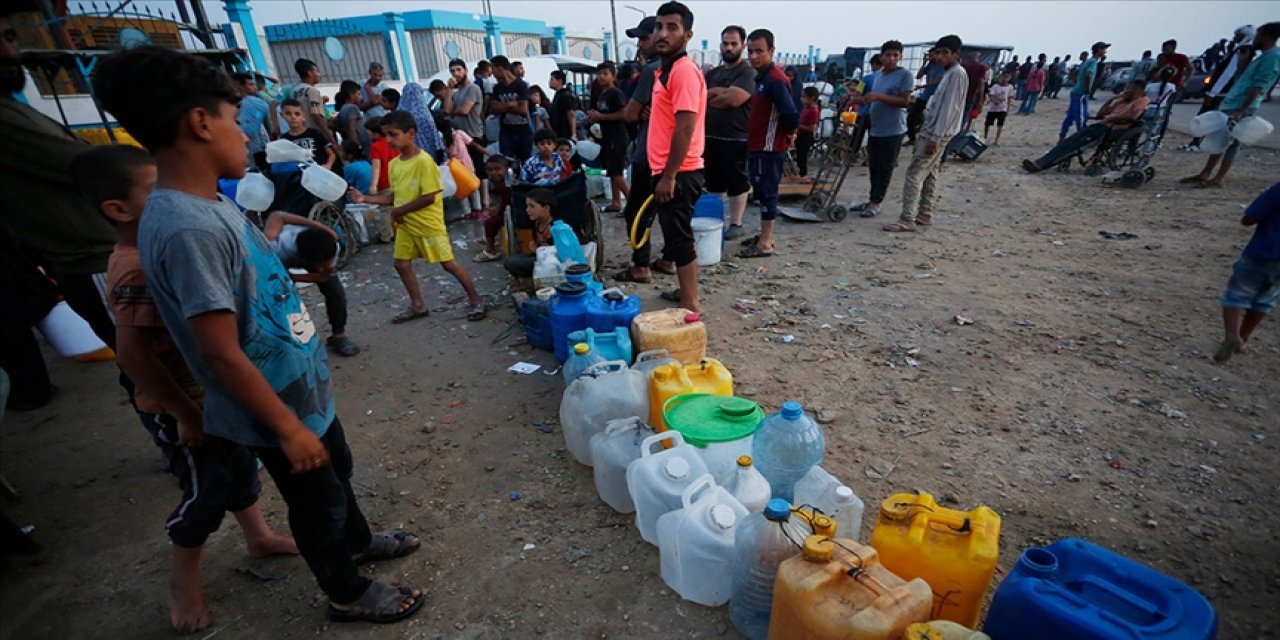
749	487
760	544
821	490
786	446
580	361
566	241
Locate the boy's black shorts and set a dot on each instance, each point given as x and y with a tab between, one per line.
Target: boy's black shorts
613	157
996	118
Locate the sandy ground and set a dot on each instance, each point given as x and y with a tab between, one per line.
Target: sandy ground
1081	402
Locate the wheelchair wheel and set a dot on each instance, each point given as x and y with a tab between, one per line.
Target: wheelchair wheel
1132	179
1127	153
593	227
1149	172
1095	168
336	218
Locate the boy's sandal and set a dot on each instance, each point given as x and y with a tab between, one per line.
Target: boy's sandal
924	221
379	604
899	227
409	314
388	545
755	252
477	312
656	265
671	295
612	209
343	346
627	276
485	256
751	241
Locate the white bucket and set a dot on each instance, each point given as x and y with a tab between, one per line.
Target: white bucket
68	333
708	237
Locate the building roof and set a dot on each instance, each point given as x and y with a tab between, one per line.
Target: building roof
413	21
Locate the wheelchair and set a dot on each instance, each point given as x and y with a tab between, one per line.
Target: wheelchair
1127	153
291	197
572	206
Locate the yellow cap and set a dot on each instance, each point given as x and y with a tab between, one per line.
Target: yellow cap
581	348
818	549
921	631
744	461
824	526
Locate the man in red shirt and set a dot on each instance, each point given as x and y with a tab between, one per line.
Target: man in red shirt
677	126
770	132
979	77
1181	64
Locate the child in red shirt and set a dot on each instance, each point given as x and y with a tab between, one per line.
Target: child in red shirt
810	116
380	155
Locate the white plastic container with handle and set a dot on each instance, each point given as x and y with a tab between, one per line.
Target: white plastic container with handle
657	480
695	543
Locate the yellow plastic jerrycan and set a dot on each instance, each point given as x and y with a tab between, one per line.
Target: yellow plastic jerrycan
954	551
679	331
837	589
669	380
942	630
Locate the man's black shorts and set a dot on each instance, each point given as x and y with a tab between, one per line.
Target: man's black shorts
676	216
726	166
996	118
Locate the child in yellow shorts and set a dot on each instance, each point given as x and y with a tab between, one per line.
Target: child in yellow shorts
419	216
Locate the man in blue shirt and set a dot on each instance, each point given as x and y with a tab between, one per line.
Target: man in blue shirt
1242	100
257	120
1254	287
1078	109
884	115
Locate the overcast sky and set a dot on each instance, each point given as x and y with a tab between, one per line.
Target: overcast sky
1051	27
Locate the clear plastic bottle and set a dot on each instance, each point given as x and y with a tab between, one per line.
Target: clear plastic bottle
761	543
749	487
821	490
787	446
580	361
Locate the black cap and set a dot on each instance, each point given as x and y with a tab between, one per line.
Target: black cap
1101	45
645	27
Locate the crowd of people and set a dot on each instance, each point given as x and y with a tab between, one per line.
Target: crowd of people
220	356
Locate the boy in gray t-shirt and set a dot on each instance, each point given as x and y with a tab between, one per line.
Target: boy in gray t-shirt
234	314
886	107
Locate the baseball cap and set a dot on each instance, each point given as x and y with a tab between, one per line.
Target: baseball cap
644	28
1101	45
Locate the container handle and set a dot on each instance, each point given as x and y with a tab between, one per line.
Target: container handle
612	290
655	354
646	446
705	481
615	427
1127	597
601	368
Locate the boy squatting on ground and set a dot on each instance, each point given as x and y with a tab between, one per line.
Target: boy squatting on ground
302	243
216	475
1254	287
419	213
240	324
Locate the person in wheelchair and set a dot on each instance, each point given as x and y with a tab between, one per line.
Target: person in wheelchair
538	204
1118	114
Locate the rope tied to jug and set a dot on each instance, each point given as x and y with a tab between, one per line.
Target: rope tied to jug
965	527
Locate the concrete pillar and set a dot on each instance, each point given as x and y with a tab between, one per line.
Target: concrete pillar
241	16
560	44
492	39
608	45
400	42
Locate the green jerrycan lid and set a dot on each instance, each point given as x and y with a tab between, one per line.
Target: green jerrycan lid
704	419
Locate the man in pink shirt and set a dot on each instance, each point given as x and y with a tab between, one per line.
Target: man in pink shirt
677	117
1035	85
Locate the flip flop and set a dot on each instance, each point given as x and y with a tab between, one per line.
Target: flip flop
477	312
626	276
388	545
485	256
670	295
409	314
899	227
343	346
378	605
751	241
653	266
755	252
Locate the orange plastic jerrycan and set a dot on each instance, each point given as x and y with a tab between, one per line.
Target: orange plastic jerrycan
838	589
670	380
679	331
954	551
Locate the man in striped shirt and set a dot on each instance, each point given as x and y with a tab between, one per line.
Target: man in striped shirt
771	129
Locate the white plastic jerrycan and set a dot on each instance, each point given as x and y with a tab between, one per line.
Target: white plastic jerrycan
695	543
612	450
820	489
605	391
649	360
657	480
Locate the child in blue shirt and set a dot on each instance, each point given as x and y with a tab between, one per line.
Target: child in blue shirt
357	171
1254	287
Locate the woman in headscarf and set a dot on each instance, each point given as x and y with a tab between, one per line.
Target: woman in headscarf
797	84
413	99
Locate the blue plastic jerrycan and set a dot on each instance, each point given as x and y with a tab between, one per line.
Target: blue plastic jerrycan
1075	589
611	309
568	314
610	345
566	241
535	317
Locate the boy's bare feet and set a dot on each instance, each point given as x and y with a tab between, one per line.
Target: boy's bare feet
272	544
187	610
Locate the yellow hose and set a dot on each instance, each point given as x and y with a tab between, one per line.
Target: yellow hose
635	225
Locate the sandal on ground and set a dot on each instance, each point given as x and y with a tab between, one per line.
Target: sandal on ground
612	209
924	221
751	241
477	312
1196	179
656	266
755	252
627	276
409	314
343	346
671	295
388	545
379	605
485	256
899	227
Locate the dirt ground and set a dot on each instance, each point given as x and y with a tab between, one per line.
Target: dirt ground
1082	401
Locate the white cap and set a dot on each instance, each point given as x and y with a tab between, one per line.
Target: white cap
1247	31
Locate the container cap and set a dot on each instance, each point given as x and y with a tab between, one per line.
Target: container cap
818	548
843	492
792	410
571	288
577	269
676	468
823	526
581	348
613	296
777	509
922	631
744	461
691	317
722	516
705	419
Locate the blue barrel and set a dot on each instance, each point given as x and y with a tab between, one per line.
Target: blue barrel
611	309
582	273
568	314
710	205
